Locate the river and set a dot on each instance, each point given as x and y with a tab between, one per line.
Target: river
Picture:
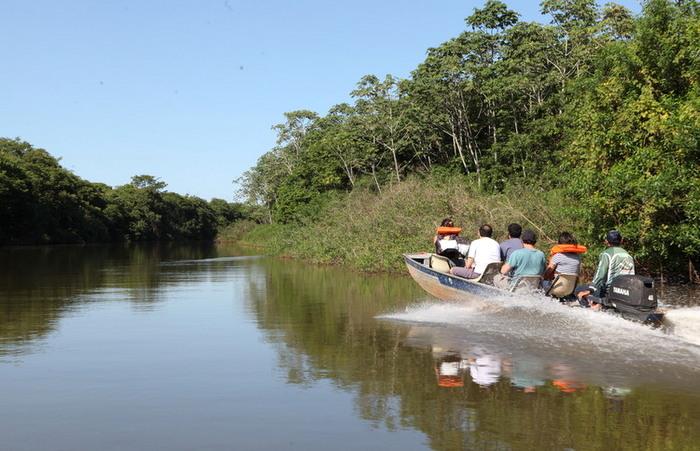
207	347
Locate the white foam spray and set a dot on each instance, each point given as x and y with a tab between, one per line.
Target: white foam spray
602	347
684	323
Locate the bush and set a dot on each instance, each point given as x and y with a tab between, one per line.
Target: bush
370	232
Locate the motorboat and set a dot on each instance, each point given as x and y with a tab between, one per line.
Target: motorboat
632	297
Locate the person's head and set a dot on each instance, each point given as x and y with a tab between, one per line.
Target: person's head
514	230
447	222
566	238
613	238
529	237
485	231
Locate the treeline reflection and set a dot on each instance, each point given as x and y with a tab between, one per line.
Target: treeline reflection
38	284
461	394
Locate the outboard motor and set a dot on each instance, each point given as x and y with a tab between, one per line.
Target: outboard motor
634	297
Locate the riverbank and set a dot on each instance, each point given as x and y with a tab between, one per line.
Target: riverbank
369	231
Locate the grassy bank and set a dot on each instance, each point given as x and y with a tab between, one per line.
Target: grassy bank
369	231
235	231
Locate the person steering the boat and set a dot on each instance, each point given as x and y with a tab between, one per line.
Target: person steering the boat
614	261
527	261
482	251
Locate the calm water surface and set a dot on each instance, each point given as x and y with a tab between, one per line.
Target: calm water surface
205	347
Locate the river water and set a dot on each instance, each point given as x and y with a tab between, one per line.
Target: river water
207	347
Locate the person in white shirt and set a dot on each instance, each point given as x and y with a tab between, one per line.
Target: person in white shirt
483	251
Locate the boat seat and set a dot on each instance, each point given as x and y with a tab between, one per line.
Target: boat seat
563	285
440	263
525	284
489	272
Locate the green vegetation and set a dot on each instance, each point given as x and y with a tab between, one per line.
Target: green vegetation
588	123
370	231
42	202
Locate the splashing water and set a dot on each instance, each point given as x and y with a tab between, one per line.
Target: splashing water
602	348
684	323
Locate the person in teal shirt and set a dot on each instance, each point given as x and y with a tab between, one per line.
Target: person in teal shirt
527	261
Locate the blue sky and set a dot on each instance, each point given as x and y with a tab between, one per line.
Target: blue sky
188	90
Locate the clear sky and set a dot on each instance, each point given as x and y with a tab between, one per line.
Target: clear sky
187	90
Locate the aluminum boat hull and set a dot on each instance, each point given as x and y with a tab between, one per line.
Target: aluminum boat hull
446	286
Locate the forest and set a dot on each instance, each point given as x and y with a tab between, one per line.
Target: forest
43	203
586	123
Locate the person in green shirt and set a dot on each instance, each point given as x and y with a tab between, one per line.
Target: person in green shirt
527	261
613	261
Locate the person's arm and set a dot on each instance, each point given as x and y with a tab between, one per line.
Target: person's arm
549	272
509	265
505	269
551	268
601	274
471	253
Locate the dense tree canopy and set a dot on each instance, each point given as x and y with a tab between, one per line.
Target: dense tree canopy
597	102
42	202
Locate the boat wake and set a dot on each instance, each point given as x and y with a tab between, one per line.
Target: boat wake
684	323
600	346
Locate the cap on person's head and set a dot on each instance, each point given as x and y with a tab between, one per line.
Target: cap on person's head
613	237
528	237
514	230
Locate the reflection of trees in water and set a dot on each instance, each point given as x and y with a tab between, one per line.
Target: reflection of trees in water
322	322
38	284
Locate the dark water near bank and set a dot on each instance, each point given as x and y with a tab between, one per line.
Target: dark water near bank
202	347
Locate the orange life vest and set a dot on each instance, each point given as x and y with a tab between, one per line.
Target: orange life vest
568	249
449	230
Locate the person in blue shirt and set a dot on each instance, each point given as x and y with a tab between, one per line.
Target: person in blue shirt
513	243
527	261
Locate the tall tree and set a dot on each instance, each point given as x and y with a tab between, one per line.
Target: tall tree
379	103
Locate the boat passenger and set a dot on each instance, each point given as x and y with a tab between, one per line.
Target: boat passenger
527	261
482	252
513	242
564	258
449	244
613	261
445	225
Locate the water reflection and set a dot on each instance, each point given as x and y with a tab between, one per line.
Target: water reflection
486	369
467	385
39	285
513	378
